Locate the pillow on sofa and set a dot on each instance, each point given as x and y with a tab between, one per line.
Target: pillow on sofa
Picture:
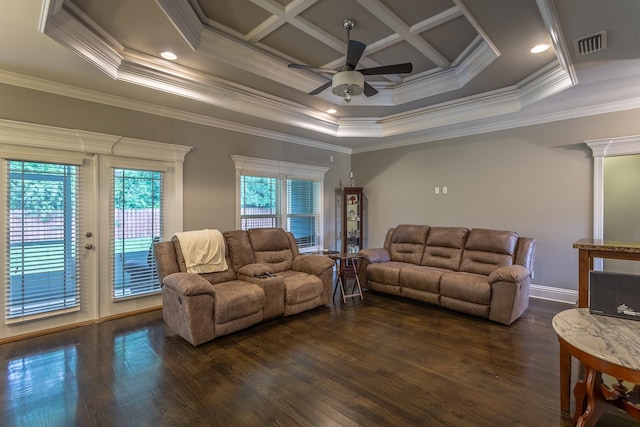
271	246
444	247
486	250
407	243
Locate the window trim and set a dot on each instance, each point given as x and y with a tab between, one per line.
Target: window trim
281	170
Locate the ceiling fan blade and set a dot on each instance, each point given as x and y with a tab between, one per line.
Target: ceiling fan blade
321	88
407	67
354	53
369	90
310	68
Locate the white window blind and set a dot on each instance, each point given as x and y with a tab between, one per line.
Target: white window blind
281	194
136	223
42	270
303	212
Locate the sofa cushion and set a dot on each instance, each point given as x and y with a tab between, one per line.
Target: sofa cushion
385	272
271	246
407	243
485	250
237	299
239	248
444	247
466	287
213	278
421	278
300	287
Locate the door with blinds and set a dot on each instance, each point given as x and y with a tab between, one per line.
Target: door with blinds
48	256
136	218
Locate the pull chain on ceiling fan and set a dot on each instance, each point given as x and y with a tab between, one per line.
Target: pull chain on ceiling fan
348	81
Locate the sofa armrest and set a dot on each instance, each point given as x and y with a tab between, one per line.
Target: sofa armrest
254	270
509	273
374	255
312	264
509	293
188	284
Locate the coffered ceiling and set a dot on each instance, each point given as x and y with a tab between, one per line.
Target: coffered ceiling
471	60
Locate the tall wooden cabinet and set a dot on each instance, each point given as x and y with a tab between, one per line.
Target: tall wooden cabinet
352	219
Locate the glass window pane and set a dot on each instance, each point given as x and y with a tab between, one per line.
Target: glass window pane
303	212
137	224
42	261
260	202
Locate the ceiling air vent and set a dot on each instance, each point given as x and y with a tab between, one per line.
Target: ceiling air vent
591	43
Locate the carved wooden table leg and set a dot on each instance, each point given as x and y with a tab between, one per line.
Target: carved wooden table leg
565	378
587	394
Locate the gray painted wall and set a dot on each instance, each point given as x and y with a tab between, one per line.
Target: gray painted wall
209	172
534	180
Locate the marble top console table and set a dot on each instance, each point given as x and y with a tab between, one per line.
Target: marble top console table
588	249
604	345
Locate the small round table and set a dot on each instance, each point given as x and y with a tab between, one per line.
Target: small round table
605	345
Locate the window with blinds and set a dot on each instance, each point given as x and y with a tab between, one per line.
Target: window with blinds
42	256
136	224
261	201
303	212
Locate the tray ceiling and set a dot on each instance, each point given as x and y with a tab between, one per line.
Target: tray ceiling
471	59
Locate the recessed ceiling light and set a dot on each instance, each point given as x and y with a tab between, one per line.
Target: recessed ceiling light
331	111
169	55
539	48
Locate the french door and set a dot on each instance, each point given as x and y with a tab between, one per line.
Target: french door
79	238
49	255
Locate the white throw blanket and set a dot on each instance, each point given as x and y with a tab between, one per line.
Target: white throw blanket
203	250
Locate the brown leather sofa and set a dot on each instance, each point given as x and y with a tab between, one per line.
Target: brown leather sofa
201	307
481	272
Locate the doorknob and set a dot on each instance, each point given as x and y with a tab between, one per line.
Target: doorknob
89	234
88	246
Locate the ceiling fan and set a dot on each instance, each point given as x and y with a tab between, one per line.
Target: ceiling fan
347	81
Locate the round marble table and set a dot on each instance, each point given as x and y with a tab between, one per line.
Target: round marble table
604	345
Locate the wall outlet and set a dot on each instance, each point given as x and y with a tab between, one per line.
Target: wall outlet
437	190
444	190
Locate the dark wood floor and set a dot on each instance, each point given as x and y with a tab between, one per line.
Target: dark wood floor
380	362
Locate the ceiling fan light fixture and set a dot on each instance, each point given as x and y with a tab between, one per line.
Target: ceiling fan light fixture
347	84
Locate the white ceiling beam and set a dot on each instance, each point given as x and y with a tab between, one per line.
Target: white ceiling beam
280	16
396	24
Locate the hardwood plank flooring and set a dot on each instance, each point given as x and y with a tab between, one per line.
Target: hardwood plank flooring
383	361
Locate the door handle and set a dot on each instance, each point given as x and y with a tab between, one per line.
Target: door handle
88	246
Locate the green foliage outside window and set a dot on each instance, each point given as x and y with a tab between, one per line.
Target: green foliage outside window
137	189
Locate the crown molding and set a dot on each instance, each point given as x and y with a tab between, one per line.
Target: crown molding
158	110
621	146
551	20
441	134
138	69
78	33
42	136
184	18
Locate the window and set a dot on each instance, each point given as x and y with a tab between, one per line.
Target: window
303	212
137	224
260	202
279	194
42	239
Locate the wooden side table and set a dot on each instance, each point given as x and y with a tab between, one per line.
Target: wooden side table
347	266
604	345
588	249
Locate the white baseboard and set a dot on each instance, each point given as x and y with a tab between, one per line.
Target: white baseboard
567	296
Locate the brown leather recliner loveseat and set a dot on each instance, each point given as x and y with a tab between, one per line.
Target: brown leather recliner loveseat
266	278
481	272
